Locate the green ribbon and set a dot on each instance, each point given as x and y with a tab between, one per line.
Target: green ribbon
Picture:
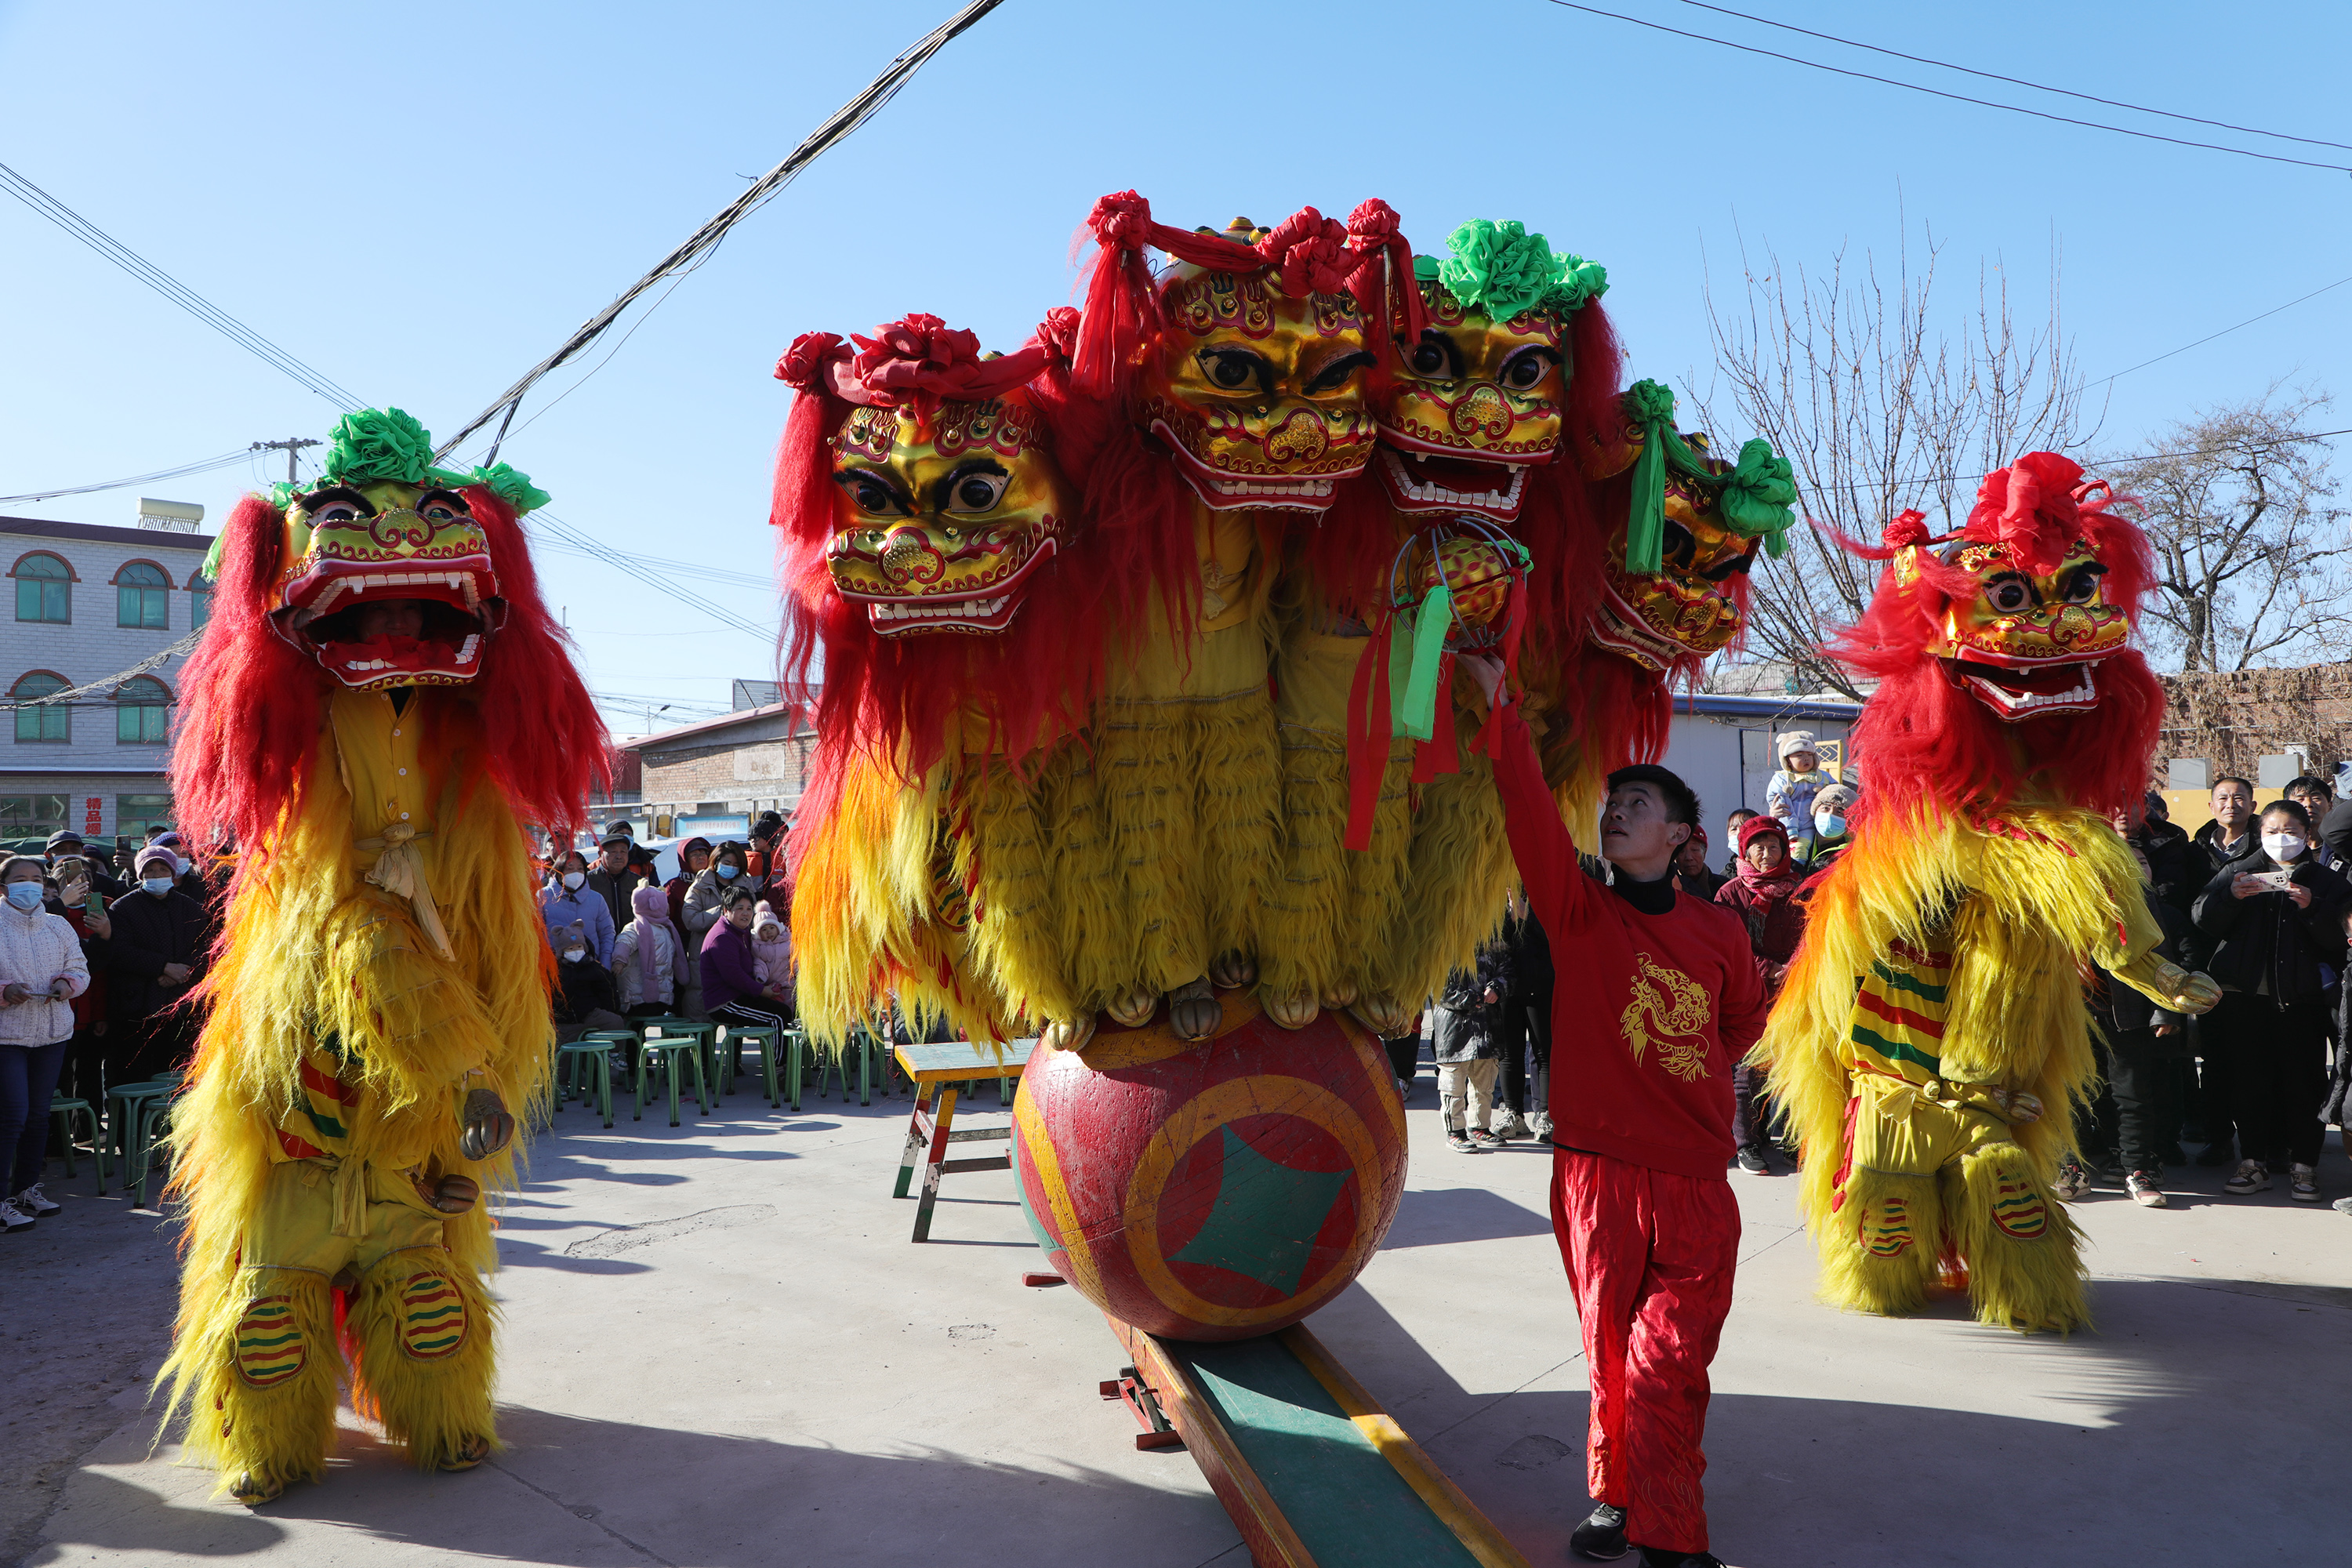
1756	497
1759	496
1417	643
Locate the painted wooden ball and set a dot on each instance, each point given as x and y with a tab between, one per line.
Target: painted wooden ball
1217	1189
1477	573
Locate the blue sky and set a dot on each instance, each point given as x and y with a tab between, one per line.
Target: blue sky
423	200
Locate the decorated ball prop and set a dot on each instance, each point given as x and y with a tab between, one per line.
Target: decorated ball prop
1477	573
1216	1189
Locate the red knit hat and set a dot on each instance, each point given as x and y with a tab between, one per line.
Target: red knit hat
1756	827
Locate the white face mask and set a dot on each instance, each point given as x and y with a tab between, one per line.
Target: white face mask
159	886
573	955
2282	846
573	880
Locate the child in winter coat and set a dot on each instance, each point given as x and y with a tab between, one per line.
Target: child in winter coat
1789	794
648	956
771	952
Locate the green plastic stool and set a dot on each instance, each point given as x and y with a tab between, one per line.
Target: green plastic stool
128	1121
586	1061
863	1046
731	1038
66	1110
149	1117
795	1063
663	1054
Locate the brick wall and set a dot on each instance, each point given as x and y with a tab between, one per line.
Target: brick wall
2234	718
750	770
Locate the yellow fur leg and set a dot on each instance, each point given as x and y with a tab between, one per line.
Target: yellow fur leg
1239	780
1093	925
1003	857
1458	873
419	1330
258	1380
2026	1270
1880	1248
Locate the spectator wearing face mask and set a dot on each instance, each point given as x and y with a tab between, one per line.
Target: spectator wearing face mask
1832	830
41	971
74	882
162	940
648	957
730	869
65	844
584	998
2271	1027
1731	826
1763	896
568	902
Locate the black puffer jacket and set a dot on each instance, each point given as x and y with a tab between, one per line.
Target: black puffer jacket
1464	1024
150	933
2266	938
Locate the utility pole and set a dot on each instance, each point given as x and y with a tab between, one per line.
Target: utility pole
289	447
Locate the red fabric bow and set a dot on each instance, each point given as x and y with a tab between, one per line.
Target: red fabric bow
920	357
807	363
2031	507
1907	529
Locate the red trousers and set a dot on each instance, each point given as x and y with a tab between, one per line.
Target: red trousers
1650	1256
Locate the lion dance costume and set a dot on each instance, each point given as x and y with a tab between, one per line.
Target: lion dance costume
380	704
1935	1012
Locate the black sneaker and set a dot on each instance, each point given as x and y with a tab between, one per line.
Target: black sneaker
1752	1161
1601	1537
1460	1144
1487	1139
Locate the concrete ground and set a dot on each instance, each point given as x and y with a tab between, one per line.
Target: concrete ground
719	1348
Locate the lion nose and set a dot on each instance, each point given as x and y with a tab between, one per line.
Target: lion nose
908	557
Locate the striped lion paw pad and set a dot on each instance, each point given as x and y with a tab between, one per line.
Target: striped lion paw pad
432	1317
1884	1230
270	1346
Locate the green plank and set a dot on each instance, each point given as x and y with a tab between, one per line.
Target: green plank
1349	1505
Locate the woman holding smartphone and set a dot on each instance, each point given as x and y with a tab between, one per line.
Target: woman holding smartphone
2276	915
41	971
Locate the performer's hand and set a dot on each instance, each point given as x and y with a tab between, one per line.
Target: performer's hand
1486	670
2194	993
453	1194
488	1128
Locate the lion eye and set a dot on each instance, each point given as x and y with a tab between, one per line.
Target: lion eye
441	506
1525	369
2083	587
978	492
1231	370
1432	358
336	506
2009	596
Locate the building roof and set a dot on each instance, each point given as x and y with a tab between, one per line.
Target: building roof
98	533
703	730
1730	705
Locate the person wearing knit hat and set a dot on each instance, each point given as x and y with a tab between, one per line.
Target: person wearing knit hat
1762	895
162	943
1788	793
1831	830
1692	873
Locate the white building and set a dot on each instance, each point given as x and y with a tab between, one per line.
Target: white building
90	602
1721	745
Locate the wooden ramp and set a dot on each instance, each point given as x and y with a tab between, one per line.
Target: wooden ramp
1314	1472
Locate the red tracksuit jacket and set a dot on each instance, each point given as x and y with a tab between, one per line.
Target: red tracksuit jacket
1650	1013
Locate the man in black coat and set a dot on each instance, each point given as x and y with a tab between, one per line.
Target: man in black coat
161	945
1525	1026
614	877
2269	1033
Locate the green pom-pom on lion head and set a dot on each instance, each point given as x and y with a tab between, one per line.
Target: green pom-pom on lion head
1504	270
378	444
512	486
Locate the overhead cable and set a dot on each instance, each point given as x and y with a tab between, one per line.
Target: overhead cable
226	461
2018	81
1939	92
170	288
696	248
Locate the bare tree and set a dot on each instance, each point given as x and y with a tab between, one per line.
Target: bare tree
1878	408
2250	558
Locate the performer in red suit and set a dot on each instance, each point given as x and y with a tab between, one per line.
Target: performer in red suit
1658	997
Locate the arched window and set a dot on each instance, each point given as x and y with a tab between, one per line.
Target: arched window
44	589
200	601
52	722
138	705
143	597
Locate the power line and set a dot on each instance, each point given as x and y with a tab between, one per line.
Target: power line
586	545
2017	81
2225	331
226	459
170	288
1939	92
696	248
1918	480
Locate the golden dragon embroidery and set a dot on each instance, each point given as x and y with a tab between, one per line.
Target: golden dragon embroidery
1671	1007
